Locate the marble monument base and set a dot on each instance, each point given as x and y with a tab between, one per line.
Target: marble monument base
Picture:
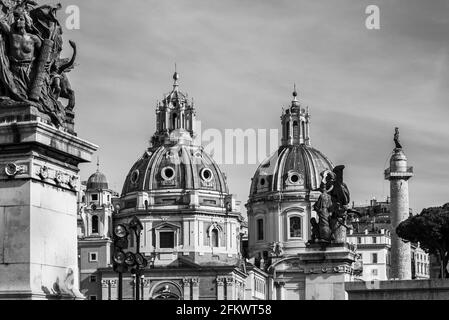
317	273
38	209
327	271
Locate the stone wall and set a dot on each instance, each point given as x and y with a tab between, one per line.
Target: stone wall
435	289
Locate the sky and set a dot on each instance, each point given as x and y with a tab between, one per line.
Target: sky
239	60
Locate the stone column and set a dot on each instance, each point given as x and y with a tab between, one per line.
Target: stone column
398	174
196	289
105	290
146	289
220	289
114	289
230	292
280	290
186	288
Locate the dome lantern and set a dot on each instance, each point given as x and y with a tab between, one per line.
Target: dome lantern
175	118
295	123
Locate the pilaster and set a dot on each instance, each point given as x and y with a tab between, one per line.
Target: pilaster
196	288
186	283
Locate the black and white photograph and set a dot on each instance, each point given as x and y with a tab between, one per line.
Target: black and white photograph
237	151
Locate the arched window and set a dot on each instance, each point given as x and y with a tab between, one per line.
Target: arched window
288	130
174	120
260	231
214	238
146	205
94	224
295	227
295	129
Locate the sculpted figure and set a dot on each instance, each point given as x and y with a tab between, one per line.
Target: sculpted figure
396	139
21	47
340	200
32	72
277	248
315	230
332	208
323	206
60	84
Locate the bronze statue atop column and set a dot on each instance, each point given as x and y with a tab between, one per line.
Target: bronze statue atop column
396	139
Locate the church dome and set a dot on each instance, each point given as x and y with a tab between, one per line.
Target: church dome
174	162
291	168
97	181
296	166
175	166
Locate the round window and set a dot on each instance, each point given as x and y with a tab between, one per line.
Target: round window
135	176
168	173
263	181
207	175
295	178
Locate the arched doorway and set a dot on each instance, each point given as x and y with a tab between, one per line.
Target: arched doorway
166	291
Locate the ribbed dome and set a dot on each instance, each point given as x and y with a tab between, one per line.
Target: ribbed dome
97	181
175	167
291	168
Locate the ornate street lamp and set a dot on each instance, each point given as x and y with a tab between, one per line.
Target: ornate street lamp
124	261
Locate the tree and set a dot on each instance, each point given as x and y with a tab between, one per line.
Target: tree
431	229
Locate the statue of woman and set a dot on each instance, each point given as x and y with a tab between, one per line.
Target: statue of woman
324	204
18	56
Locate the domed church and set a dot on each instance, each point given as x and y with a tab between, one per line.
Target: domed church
280	208
191	223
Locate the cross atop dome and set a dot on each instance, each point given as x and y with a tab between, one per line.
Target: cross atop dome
175	78
295	101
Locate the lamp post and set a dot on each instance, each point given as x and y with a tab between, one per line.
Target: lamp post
119	257
129	260
140	261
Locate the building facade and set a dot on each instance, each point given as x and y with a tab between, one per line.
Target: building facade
199	246
95	211
371	233
374	249
192	225
280	212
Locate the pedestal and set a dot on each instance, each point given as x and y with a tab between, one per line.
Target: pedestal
38	209
326	271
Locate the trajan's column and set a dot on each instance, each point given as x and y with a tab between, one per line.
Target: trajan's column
398	174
